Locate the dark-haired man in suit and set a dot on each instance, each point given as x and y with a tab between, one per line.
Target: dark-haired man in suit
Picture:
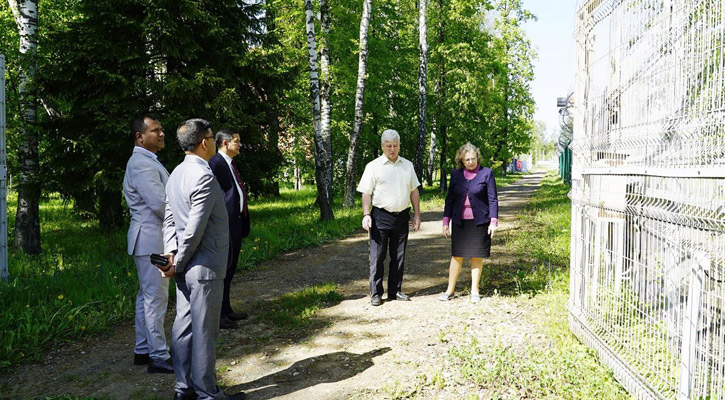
229	143
143	187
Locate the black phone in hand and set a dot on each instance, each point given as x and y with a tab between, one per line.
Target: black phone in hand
159	260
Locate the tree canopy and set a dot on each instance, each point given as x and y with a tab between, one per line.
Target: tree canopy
245	65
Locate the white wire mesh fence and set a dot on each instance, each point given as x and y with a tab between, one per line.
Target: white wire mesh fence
648	193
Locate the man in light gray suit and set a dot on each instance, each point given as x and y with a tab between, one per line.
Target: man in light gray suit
196	241
144	187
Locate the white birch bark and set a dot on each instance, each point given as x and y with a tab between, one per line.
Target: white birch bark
362	65
27	217
431	156
325	102
422	82
321	160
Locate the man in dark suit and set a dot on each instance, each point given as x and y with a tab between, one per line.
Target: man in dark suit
235	198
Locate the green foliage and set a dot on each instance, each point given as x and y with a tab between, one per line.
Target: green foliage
292	312
101	63
82	282
479	74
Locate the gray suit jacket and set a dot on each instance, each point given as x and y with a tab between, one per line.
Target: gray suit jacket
144	187
195	222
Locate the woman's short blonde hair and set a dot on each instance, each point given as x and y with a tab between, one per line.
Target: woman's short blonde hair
467	148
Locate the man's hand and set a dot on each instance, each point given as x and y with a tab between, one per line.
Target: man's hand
416	222
367	222
169	267
446	231
169	273
491	229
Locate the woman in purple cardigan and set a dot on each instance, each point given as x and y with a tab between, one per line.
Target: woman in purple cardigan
472	206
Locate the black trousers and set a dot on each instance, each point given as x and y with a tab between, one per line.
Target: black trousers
235	245
388	234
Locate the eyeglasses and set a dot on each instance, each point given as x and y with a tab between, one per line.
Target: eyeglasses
208	137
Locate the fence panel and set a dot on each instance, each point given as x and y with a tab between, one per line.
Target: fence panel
648	194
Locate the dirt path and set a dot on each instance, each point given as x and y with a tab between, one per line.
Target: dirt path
360	352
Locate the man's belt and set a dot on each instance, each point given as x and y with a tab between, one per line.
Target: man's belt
395	214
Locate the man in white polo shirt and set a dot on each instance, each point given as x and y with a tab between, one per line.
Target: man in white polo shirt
389	183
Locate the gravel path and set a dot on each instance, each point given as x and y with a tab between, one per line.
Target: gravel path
358	351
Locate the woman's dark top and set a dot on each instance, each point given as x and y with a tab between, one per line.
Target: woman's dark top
481	192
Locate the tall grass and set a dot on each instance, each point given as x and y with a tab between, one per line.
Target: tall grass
82	282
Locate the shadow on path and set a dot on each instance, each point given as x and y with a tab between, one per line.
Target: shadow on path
331	367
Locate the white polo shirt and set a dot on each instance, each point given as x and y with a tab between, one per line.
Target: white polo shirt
389	183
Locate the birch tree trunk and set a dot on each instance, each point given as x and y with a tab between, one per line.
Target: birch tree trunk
431	157
322	160
362	65
326	104
422	82
27	216
441	128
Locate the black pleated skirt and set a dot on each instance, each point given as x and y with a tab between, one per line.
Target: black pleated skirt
470	240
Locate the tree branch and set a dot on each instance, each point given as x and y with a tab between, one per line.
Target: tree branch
50	107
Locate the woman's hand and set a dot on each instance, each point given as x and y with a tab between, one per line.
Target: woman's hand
491	229
446	231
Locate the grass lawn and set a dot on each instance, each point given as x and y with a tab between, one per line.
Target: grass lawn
83	282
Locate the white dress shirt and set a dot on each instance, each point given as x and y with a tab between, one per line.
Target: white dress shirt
234	177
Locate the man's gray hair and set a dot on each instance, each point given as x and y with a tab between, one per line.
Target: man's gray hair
191	132
390	135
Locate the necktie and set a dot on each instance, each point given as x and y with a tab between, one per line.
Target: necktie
244	194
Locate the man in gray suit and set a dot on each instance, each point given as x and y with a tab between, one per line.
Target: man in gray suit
196	241
144	187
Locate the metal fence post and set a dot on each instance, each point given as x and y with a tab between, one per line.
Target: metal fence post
3	179
689	326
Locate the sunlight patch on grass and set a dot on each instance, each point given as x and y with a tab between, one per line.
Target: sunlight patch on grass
293	312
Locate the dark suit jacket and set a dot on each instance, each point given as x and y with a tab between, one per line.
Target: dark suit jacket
481	193
238	222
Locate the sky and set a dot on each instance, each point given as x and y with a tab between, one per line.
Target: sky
553	38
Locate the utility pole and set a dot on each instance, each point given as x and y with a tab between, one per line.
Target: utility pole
3	180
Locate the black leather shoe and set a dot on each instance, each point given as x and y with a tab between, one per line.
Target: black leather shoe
161	367
140	359
402	297
376	300
237	396
179	396
236	316
226	323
